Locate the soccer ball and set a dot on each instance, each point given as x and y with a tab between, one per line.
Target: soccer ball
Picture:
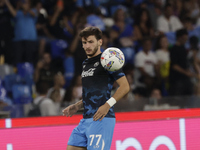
112	59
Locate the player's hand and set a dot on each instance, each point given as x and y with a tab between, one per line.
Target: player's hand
101	112
70	110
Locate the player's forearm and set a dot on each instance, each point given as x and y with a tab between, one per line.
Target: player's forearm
121	92
123	88
79	104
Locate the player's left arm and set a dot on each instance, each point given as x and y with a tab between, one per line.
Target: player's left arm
123	88
121	92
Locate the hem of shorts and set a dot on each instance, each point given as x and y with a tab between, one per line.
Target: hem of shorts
77	146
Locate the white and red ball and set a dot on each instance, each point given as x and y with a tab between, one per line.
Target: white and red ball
112	59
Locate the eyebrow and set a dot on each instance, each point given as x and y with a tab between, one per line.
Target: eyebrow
87	40
90	40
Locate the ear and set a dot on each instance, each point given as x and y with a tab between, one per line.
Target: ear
100	42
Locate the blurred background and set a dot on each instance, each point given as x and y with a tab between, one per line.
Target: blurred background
41	53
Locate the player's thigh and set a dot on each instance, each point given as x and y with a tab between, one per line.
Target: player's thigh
100	134
69	147
78	137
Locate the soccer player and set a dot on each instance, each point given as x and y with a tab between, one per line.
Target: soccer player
95	130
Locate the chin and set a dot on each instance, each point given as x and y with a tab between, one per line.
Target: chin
90	55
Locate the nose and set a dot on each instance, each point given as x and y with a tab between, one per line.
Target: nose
86	45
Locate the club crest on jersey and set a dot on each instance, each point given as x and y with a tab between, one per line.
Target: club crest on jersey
88	73
96	64
113	52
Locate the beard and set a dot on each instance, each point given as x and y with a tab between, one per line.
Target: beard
93	51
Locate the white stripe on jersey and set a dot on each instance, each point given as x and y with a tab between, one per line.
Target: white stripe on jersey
103	145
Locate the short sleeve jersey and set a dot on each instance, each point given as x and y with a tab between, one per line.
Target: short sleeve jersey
97	85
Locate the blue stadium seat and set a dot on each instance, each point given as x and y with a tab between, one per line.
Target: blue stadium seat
58	48
21	94
68	70
29	81
16	111
4	98
25	69
12	79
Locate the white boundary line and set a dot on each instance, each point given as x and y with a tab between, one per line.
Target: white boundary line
9	147
8	123
182	134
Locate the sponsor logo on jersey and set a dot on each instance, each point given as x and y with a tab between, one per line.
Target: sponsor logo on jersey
87	73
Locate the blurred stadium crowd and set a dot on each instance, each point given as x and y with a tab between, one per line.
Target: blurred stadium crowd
41	53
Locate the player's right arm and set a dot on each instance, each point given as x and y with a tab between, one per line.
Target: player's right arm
72	109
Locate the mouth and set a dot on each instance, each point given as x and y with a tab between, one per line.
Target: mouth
88	50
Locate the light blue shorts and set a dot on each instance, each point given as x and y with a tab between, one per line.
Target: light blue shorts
95	135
